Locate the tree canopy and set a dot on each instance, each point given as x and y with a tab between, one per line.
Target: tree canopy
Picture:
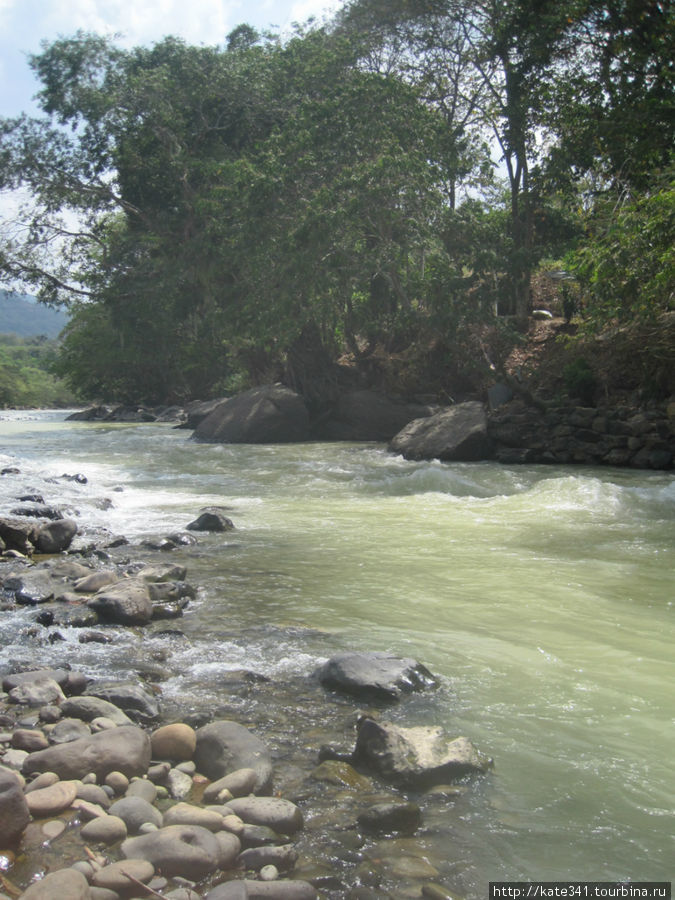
220	215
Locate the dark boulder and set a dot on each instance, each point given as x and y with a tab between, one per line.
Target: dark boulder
56	536
17	534
198	410
14	814
457	434
211	518
375	676
368	416
270	414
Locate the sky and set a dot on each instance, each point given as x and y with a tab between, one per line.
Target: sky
25	23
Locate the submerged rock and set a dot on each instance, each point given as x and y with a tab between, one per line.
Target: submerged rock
14	812
377	675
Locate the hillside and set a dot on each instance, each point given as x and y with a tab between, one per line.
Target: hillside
23	316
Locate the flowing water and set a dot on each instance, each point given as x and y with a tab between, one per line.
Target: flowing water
541	596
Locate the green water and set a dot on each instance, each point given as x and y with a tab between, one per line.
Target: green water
542	596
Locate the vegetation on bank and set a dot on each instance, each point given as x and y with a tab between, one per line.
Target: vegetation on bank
27	379
383	186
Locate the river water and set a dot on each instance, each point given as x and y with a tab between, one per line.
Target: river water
541	596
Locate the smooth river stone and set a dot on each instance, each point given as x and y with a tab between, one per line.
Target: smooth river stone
135	811
104	830
115	877
280	815
50	801
66	883
90	708
240	783
175	742
29	739
126	749
187	814
186	850
224	746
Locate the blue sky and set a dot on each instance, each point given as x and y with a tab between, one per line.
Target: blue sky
25	23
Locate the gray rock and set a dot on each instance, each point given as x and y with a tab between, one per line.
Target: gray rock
134	812
224	746
142	787
188	814
125	749
14	814
178	784
31	587
458	434
39	692
60	676
269	414
387	818
29	739
115	876
58	885
187	850
211	520
239	783
281	815
18	535
93	793
128	696
90	708
415	757
67	730
104	830
95	581
56	536
375	676
127	602
283	857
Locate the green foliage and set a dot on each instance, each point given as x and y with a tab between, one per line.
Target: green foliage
580	380
27	376
627	265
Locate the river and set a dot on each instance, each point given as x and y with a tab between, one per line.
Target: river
541	596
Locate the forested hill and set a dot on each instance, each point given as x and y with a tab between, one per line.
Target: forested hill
23	316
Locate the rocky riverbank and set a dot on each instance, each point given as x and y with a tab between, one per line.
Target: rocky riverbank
108	792
504	429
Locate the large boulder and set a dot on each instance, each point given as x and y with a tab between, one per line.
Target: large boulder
225	746
270	414
375	676
128	696
14	814
418	757
56	536
368	416
127	602
125	749
456	434
19	535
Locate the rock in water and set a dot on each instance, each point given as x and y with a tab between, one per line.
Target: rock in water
126	603
269	414
415	757
375	676
458	433
187	850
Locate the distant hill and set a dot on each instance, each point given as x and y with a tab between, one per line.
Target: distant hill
23	316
